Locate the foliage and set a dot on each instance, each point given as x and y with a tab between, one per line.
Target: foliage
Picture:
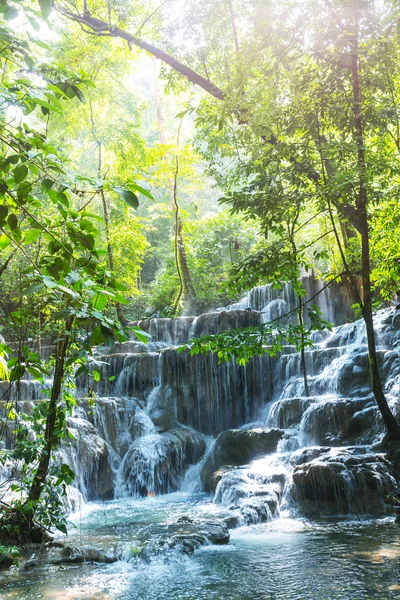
213	244
44	216
270	338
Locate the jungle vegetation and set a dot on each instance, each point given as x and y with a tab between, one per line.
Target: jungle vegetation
159	158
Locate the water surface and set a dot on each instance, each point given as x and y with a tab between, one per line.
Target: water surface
286	559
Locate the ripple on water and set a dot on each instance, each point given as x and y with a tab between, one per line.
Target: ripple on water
286	559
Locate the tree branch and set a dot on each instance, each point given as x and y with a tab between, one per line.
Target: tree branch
101	27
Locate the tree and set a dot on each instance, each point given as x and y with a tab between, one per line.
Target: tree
44	217
317	99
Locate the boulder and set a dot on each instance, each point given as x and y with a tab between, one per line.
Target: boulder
155	462
341	481
185	535
237	447
163	419
59	554
88	456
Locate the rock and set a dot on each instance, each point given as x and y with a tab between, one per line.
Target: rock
89	458
255	498
186	535
237	447
232	522
163	420
155	462
342	481
332	420
6	561
57	553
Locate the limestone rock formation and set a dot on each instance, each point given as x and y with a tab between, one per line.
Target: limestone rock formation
237	447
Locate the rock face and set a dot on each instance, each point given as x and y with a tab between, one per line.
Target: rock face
237	447
89	457
154	463
343	482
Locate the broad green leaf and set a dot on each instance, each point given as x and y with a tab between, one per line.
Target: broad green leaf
4	241
3	212
32	235
78	93
20	173
45	8
96	375
142	190
12	221
128	196
11	13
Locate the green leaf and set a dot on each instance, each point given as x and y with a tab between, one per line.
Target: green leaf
49	282
31	236
17	372
78	93
141	335
32	289
108	335
20	173
96	375
45	8
40	43
4	241
141	189
11	13
12	221
128	196
3	212
99	302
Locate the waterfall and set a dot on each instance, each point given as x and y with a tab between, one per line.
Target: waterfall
153	426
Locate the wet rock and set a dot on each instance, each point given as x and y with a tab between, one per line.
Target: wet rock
332	420
186	536
216	322
237	447
232	522
343	482
59	554
88	456
6	561
255	498
155	462
288	412
163	420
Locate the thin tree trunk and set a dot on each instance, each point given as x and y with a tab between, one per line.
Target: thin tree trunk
362	204
52	415
6	263
302	352
233	23
120	313
180	248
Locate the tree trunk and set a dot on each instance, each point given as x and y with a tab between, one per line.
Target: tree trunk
391	424
52	415
181	263
302	352
120	313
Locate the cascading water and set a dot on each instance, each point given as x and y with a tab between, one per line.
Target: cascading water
279	454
